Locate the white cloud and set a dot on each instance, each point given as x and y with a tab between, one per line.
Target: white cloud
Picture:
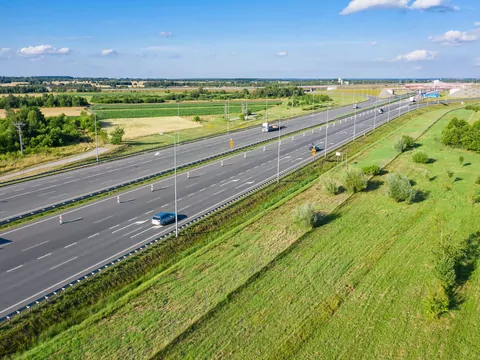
455	37
4	50
166	34
233	53
282	53
374	43
422	5
109	52
417	68
43	50
432	5
417	55
361	5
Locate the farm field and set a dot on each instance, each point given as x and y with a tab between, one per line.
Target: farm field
368	264
54	111
137	127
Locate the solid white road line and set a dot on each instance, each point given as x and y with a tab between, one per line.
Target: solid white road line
44	256
131	232
144	231
15	268
63	263
53	197
66	247
34	246
50	192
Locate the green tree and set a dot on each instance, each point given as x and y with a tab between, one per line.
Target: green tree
456	133
354	180
116	135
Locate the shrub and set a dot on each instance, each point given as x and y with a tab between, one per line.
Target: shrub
354	180
307	216
450	174
399	187
437	304
477	181
330	186
476	197
461	159
116	136
404	143
197	118
420	157
371	170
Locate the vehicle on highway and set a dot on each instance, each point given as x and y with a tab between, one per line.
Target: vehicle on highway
355	106
313	146
380	111
266	127
163	218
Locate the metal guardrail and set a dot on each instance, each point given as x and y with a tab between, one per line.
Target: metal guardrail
228	202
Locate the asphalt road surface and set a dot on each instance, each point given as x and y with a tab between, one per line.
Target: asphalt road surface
36	194
42	256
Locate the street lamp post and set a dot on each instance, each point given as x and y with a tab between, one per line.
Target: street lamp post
375	116
96	135
326	129
278	154
175	169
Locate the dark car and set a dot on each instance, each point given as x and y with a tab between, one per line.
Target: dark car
317	149
163	218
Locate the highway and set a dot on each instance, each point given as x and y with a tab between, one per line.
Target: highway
44	255
25	197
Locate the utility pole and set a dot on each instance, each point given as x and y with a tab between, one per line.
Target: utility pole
19	126
266	107
96	134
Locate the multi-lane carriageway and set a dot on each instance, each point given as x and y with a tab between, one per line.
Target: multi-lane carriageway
37	194
43	255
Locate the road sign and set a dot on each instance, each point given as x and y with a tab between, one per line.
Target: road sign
314	151
231	143
338	153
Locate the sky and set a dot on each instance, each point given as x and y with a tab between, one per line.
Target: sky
241	39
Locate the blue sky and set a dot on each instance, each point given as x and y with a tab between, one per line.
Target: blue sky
262	38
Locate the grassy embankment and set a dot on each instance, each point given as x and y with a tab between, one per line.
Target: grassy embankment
220	293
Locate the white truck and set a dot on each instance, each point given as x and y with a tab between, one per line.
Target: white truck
266	127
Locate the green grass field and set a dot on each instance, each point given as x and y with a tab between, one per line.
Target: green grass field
353	288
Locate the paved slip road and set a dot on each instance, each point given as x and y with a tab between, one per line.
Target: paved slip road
40	257
36	194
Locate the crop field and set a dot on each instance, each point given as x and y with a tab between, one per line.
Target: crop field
159	110
353	288
54	111
137	127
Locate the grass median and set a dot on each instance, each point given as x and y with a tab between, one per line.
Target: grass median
101	294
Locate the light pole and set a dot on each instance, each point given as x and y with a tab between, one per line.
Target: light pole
178	123
326	129
175	167
96	135
19	126
375	116
278	155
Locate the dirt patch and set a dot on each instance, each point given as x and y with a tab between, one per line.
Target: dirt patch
69	111
137	127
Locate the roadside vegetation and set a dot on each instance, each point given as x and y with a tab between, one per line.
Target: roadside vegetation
248	257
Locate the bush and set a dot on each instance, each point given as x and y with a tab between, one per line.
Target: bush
307	216
420	157
404	143
437	304
461	159
330	186
116	136
197	118
476	197
477	181
399	188
371	170
355	181
450	174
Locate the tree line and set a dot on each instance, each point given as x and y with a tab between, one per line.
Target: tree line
271	91
40	132
23	89
46	100
460	134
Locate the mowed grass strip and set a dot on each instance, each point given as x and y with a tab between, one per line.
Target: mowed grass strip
147	320
355	288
